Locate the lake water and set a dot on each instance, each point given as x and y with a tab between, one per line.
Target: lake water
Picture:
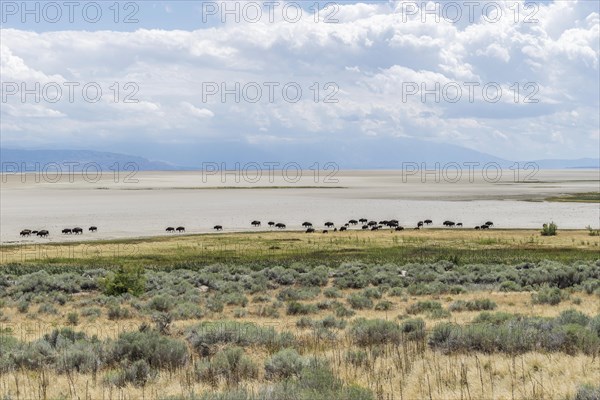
148	202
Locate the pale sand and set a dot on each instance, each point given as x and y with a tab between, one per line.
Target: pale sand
160	199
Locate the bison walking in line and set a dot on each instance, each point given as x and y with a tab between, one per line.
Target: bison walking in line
280	226
218	228
67	231
399	228
255	223
310	230
170	229
307	224
77	231
43	233
180	229
329	224
428	222
25	232
271	224
93	229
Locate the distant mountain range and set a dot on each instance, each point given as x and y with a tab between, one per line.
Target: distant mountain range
357	154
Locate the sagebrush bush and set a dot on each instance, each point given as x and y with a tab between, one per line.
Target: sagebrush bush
157	350
547	295
424	306
296	308
473	305
284	364
230	364
237	333
359	301
369	332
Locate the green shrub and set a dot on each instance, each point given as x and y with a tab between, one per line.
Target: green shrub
231	364
91	312
509	286
127	279
73	318
473	305
396	292
116	312
296	308
157	350
424	306
343	312
549	229
161	303
372	293
588	392
284	364
237	333
359	301
547	295
368	332
413	329
384	305
332	293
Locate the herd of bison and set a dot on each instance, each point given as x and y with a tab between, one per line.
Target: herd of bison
364	224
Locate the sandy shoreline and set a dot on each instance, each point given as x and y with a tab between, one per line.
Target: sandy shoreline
144	208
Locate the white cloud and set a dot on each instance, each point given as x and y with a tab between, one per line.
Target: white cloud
369	54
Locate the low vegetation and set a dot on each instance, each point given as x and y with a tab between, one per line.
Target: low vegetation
355	330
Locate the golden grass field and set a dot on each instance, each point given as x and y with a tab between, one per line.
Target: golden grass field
392	373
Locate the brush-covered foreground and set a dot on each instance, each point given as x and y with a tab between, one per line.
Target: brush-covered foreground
354	330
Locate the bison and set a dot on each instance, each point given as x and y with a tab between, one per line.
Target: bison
271	223
77	231
399	228
67	231
25	232
353	222
329	224
218	228
255	223
307	224
310	230
43	233
428	222
343	228
170	229
180	229
280	226
93	229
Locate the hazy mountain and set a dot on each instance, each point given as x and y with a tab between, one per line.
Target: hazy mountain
76	160
355	154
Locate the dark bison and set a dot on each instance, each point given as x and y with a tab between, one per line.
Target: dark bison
77	231
180	229
375	228
280	226
25	232
428	222
343	228
271	223
67	231
329	224
170	229
34	232
484	226
335	229
218	228
43	233
306	225
93	229
372	223
420	224
353	222
477	227
399	228
459	224
449	224
362	221
255	223
310	230
325	231
489	224
365	227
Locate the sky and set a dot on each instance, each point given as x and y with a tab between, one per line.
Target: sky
517	80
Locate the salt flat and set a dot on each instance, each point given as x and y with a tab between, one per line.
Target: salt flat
145	203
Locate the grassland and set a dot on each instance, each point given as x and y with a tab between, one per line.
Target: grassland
587	197
284	248
431	314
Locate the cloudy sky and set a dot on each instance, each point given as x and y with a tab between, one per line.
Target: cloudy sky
515	80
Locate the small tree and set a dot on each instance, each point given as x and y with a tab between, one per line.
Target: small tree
126	279
549	230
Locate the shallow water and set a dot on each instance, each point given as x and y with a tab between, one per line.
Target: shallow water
159	199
